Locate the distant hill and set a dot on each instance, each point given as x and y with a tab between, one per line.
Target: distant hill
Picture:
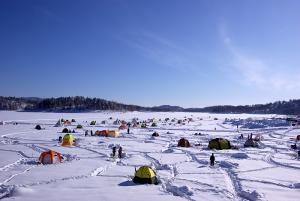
84	104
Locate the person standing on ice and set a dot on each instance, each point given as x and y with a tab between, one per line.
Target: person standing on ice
128	130
114	150
212	159
120	152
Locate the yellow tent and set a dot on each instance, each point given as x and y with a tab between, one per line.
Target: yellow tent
145	175
113	133
68	140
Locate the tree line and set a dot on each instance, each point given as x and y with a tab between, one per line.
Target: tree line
82	104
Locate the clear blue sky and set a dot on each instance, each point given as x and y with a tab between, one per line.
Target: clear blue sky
186	53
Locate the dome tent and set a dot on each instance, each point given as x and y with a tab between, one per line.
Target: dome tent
219	143
38	127
145	175
108	133
183	143
79	126
50	157
68	140
155	134
250	143
65	130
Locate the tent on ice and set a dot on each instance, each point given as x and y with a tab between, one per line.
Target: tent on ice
153	124
67	122
107	133
117	122
145	175
219	143
155	134
65	130
68	140
250	143
79	126
38	127
123	126
298	137
50	157
58	124
183	143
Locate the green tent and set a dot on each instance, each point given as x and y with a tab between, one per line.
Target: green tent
219	143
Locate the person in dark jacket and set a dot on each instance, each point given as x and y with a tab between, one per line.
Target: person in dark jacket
212	160
120	152
114	150
60	139
128	130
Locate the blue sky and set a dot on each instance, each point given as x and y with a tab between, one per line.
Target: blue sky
186	53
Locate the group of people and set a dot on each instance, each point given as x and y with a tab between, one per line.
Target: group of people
87	133
120	152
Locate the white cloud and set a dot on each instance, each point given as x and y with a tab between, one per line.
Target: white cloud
162	51
255	71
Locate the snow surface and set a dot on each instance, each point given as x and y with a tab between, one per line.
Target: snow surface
270	172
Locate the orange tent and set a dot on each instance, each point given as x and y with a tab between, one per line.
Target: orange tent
50	157
102	133
67	122
183	143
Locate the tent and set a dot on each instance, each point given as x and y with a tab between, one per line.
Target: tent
117	122
123	126
219	143
113	133
102	133
79	126
58	124
65	130
145	175
107	133
73	120
298	137
153	124
144	125
104	122
38	127
134	121
68	140
93	123
50	157
183	143
2	123
250	143
67	122
155	134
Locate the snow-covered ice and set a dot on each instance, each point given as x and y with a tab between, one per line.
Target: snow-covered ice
269	172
